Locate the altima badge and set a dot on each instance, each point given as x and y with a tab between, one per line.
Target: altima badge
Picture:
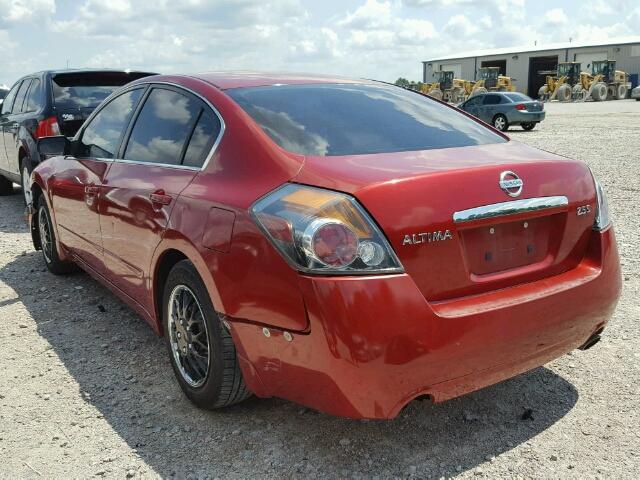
510	183
427	237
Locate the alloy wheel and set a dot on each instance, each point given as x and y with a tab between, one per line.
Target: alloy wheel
187	331
45	235
499	123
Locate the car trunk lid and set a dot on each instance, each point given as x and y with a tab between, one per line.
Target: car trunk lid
456	230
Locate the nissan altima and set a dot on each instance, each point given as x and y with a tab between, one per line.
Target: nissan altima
344	244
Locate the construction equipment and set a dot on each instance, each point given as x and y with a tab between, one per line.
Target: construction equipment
603	83
441	88
560	83
491	81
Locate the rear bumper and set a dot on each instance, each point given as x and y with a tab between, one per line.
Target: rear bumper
517	117
375	343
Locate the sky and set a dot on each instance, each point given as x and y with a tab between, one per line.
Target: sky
381	39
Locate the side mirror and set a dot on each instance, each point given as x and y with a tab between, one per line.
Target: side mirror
53	146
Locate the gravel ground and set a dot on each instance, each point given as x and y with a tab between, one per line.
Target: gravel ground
86	388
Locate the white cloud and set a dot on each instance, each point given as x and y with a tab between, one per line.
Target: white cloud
460	25
556	17
13	11
372	14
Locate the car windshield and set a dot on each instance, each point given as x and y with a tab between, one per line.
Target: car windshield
352	119
77	90
518	97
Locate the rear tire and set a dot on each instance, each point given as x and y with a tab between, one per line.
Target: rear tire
599	92
436	93
48	241
528	126
621	92
500	122
542	92
6	186
611	92
564	93
209	375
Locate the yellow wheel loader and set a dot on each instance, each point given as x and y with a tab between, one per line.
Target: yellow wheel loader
491	81
560	83
603	83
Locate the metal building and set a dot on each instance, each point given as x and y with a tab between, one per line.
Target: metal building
525	64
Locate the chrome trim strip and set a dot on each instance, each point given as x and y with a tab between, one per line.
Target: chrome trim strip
509	208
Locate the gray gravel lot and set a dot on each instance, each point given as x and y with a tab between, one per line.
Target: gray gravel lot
86	392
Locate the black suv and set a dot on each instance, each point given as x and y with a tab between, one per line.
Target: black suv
53	102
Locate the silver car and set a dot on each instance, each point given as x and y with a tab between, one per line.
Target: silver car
504	109
635	93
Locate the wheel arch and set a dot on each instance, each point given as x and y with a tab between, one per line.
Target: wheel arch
166	256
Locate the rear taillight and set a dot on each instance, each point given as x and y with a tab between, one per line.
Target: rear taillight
603	220
324	232
521	107
48	128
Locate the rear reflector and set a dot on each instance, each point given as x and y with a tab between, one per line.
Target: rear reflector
48	128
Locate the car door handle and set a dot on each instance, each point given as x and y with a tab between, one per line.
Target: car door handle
160	198
91	190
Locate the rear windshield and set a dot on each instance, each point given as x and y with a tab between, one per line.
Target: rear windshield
517	97
342	119
73	91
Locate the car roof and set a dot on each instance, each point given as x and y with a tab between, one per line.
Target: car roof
227	80
84	70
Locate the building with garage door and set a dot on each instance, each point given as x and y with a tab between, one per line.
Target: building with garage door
530	65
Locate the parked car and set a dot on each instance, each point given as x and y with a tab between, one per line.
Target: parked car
504	109
52	102
3	93
348	245
635	93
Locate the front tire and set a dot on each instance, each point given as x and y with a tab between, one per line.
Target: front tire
47	237
201	350
25	168
501	123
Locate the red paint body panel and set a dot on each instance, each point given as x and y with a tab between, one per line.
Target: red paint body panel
376	343
494	299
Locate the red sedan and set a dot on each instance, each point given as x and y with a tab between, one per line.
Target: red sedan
344	244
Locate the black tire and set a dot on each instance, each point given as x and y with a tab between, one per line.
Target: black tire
222	385
528	125
48	246
6	187
25	164
500	122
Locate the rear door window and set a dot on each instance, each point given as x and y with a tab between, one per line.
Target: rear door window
8	100
163	127
101	138
82	90
34	98
355	119
491	100
21	95
204	134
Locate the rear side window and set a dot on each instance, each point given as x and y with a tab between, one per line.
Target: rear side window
34	98
163	127
204	134
343	119
491	100
8	100
78	90
517	97
101	137
22	93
